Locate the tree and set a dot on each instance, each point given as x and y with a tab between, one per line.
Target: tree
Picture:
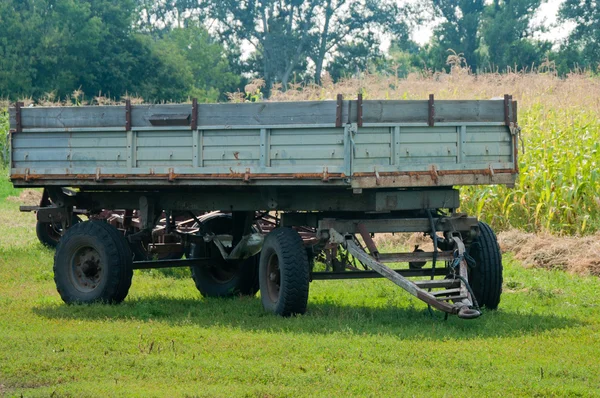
189	63
458	32
508	37
95	46
583	44
285	34
348	29
68	44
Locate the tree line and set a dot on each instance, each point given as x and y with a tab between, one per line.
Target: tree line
171	50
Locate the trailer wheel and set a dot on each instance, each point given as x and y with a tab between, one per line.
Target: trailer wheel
93	264
284	273
49	233
485	277
223	278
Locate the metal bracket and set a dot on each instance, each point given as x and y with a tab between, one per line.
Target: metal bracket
431	110
338	111
18	117
507	102
359	110
127	115
195	114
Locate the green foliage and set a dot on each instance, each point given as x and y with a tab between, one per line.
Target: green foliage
508	38
188	64
358	338
583	46
487	35
286	34
3	136
458	31
68	44
559	180
94	46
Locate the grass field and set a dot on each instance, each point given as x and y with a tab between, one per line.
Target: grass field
359	338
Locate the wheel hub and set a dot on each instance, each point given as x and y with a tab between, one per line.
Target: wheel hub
86	270
274	276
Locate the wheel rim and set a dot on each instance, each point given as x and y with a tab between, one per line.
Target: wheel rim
86	269
54	231
221	271
273	278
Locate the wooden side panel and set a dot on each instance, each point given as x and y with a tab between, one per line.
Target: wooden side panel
469	111
69	150
163	148
491	144
73	117
101	149
267	113
319	147
427	145
382	111
228	148
373	147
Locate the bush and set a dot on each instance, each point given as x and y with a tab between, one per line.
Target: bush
3	136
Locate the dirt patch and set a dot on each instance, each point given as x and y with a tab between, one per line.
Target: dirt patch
579	255
28	197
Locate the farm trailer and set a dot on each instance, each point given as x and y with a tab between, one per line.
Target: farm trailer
268	187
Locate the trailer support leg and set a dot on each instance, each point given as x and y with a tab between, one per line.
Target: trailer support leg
461	308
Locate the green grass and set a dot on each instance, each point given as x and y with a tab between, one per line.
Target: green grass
358	338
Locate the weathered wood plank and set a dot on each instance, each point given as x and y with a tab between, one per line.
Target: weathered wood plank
73	117
386	111
469	111
267	113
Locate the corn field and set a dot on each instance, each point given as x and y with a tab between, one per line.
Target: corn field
558	189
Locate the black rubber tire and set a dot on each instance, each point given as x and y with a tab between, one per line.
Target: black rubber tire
284	246
114	257
485	276
49	234
225	279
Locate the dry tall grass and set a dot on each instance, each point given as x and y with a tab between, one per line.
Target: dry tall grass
577	90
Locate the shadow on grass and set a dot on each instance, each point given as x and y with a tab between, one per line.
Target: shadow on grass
246	313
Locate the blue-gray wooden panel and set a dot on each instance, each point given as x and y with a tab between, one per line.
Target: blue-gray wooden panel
163	148
225	148
428	145
488	144
98	149
278	150
320	147
372	147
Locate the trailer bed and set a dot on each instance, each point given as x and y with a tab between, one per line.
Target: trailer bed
358	144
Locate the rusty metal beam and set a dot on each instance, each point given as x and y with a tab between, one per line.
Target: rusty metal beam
431	111
338	110
127	115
